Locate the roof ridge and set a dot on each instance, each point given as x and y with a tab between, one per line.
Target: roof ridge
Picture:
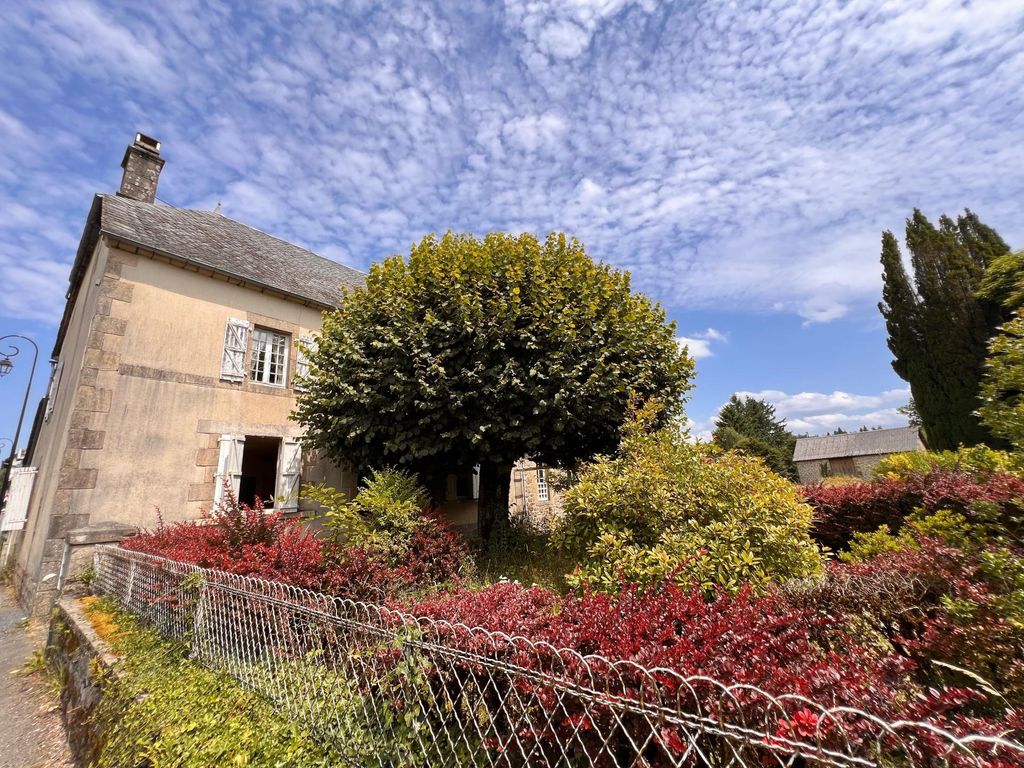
859	432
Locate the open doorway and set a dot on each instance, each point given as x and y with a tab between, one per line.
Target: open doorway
259	470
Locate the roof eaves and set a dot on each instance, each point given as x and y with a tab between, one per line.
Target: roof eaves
248	281
86	246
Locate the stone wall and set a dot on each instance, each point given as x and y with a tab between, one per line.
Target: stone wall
82	661
526	506
810	471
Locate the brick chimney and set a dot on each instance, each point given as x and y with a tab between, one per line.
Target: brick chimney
142	164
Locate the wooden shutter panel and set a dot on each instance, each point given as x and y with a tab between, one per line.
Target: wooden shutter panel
229	465
51	396
19	494
302	360
289	470
236	336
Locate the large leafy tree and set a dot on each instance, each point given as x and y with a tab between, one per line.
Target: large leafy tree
938	323
750	425
1002	389
482	351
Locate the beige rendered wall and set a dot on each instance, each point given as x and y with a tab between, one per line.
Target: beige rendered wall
169	405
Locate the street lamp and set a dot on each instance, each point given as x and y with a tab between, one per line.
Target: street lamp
6	366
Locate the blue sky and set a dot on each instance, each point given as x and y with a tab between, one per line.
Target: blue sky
741	159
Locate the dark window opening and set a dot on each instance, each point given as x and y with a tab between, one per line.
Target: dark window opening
259	470
464	485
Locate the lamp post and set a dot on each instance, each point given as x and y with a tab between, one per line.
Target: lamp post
6	366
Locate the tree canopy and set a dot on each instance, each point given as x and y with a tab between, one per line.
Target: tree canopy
1002	389
750	425
938	323
482	351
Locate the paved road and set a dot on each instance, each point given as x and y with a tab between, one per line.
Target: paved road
31	734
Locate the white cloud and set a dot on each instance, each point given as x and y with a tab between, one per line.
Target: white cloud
563	39
734	158
820	412
699	344
698	348
41	285
533	132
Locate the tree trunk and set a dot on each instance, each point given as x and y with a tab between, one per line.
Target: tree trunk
492	504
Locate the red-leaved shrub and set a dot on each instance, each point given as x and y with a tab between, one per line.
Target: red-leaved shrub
740	640
942	607
843	510
760	641
250	541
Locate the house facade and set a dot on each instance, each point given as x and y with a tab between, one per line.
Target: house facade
535	499
174	370
852	454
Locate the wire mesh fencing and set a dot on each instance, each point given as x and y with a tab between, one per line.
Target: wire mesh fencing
391	689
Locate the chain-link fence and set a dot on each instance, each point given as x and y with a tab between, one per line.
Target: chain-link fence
392	689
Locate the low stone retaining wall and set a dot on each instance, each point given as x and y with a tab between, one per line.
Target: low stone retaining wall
82	661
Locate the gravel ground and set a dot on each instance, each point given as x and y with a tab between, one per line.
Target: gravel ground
31	734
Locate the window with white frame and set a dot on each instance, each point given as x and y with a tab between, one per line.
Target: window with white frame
269	357
542	484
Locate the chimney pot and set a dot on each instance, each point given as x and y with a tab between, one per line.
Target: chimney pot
142	165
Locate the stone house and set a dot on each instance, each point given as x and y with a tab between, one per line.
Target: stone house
174	369
852	454
535	500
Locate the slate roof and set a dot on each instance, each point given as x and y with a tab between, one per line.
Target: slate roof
227	246
870	443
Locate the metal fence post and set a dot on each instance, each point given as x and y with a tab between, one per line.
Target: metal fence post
199	622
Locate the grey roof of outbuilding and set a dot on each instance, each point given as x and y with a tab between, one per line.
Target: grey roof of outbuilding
227	246
870	443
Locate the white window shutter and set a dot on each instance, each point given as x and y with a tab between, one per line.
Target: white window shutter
236	336
302	360
19	493
51	396
476	482
229	465
289	469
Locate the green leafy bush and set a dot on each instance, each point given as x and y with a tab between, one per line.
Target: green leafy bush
946	525
666	508
1002	407
385	512
384	540
976	460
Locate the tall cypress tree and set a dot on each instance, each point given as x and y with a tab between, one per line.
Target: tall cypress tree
939	324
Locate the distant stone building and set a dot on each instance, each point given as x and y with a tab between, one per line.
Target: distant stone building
535	501
853	454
